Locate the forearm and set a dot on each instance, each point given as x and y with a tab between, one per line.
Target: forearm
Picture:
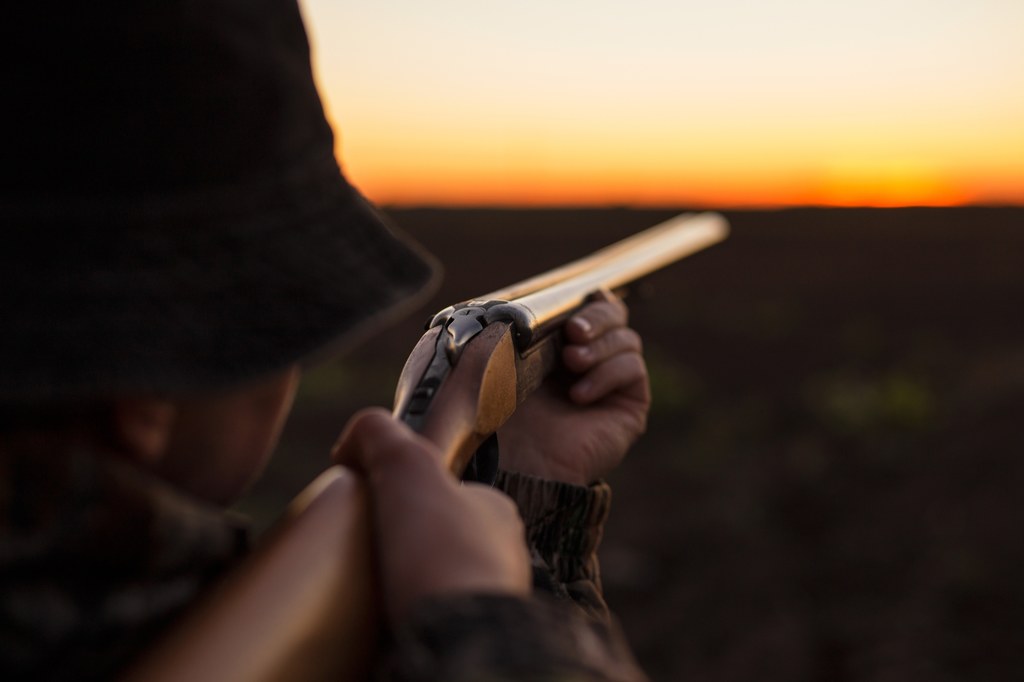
502	638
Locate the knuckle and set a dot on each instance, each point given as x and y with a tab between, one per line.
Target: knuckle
498	502
606	376
638	368
369	424
625	340
640	426
607	346
384	444
619	371
602	313
617	340
622	309
573	357
634	341
616	311
625	363
608	296
362	429
396	450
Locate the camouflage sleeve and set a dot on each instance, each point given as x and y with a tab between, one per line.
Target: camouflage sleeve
564	524
564	632
500	638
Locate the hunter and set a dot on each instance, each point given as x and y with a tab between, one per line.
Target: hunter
179	246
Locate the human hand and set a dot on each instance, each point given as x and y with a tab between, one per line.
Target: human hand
578	431
433	535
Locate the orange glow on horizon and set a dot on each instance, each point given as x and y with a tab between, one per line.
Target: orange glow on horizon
870	184
466	190
888	185
703	163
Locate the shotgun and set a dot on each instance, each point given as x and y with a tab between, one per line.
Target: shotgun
303	606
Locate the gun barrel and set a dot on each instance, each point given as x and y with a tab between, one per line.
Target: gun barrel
550	296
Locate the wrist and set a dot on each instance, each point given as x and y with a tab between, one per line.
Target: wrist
532	462
563	522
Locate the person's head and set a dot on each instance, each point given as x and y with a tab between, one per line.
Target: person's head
211	444
178	237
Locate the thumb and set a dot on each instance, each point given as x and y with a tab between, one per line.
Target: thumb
382	449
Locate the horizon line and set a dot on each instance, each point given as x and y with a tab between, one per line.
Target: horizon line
696	208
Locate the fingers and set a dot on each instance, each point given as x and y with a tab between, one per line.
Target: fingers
624	373
580	358
392	457
606	352
596	319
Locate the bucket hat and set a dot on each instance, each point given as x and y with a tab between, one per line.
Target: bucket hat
173	215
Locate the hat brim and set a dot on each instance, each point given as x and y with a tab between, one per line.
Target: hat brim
283	279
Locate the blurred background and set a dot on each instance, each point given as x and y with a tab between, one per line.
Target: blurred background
829	488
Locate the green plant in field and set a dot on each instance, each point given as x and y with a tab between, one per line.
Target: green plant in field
674	386
854	403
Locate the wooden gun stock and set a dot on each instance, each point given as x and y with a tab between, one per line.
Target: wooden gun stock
304	605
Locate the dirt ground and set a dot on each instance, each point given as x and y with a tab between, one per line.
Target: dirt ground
830	488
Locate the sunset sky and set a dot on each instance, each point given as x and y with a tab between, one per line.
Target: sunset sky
676	103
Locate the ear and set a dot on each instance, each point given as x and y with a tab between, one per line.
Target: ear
142	427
